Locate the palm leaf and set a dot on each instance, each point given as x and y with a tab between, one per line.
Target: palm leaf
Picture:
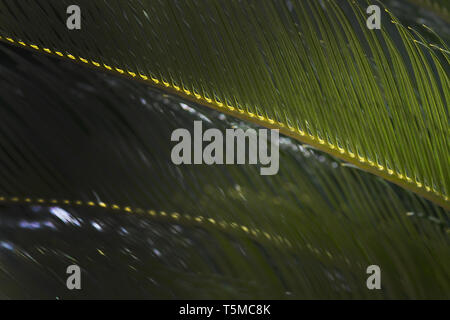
85	141
312	69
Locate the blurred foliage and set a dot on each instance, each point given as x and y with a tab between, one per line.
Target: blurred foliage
440	7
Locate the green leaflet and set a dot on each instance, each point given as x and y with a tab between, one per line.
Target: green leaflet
72	133
378	99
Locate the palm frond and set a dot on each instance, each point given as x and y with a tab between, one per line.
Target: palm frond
377	99
96	145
